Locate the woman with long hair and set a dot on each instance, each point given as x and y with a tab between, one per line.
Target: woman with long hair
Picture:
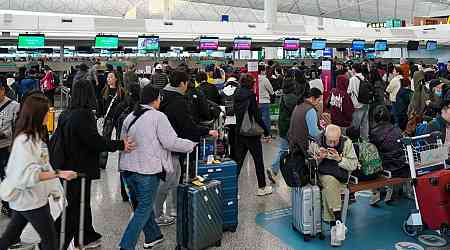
112	95
27	171
82	149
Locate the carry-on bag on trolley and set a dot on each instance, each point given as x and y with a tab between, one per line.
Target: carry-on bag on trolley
431	183
307	206
64	215
199	213
433	194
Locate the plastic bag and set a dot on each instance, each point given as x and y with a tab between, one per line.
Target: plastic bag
341	230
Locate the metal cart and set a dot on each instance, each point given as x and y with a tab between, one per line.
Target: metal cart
424	154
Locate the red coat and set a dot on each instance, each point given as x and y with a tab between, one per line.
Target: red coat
340	103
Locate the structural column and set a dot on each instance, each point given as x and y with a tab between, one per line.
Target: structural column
166	9
270	12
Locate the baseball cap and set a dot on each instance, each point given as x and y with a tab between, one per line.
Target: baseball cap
158	66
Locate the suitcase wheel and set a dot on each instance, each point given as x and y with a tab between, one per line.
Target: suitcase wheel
321	236
219	243
306	237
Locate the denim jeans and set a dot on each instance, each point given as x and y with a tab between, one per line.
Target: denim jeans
143	189
264	108
282	149
168	186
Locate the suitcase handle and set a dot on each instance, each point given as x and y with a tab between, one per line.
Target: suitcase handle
186	180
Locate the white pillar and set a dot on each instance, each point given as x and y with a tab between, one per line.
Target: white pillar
166	9
270	12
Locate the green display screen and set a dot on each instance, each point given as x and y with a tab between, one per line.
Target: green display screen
106	42
31	41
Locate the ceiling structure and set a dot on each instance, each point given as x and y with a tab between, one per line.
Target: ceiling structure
290	11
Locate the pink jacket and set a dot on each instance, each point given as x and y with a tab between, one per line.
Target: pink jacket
48	82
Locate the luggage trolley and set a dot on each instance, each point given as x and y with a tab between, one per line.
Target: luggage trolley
424	154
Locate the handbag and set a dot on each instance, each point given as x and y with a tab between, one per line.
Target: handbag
250	127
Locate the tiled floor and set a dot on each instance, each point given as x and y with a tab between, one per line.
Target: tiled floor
111	216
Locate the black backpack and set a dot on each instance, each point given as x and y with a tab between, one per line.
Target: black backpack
56	145
121	118
365	92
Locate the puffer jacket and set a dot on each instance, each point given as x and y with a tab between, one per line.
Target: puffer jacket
384	136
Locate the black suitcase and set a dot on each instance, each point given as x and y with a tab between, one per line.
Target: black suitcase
199	214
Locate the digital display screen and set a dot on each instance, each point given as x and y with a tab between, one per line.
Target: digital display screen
413	45
106	42
242	43
148	43
381	45
291	44
432	45
318	44
209	43
31	41
358	45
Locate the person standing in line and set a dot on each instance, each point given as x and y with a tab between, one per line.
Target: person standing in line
28	169
48	85
361	113
143	168
265	92
393	87
112	94
9	110
245	101
83	150
175	105
288	102
159	79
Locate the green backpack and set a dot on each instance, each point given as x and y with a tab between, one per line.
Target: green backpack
369	158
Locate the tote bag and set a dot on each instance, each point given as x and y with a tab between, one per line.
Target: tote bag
250	127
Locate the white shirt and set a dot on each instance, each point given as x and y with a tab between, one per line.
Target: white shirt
394	87
353	90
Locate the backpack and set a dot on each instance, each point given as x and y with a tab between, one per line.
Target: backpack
294	169
121	119
56	146
369	158
365	91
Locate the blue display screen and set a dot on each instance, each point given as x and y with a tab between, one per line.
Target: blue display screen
318	44
381	45
431	45
358	44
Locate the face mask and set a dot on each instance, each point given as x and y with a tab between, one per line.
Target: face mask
438	93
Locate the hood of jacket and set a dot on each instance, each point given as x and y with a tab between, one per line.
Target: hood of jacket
342	83
169	88
171	94
243	94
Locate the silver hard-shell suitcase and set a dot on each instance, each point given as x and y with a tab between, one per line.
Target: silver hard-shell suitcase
307	207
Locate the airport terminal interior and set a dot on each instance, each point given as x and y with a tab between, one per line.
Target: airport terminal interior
308	125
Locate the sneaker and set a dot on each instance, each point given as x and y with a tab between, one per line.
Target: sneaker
93	244
376	197
272	176
165	220
264	191
334	241
154	243
389	192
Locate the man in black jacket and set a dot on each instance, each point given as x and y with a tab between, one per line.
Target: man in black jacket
176	106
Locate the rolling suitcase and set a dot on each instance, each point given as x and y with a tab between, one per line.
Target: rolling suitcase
226	173
307	207
433	196
199	213
64	215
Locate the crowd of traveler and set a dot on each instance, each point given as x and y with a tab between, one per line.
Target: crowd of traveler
159	119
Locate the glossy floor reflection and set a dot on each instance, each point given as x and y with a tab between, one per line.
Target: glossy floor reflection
111	214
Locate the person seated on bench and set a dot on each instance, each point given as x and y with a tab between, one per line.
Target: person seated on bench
336	160
384	136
